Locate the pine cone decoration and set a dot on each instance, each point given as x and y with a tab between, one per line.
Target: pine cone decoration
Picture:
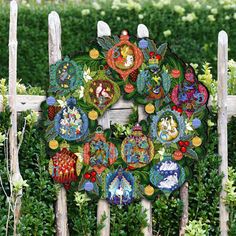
51	112
57	109
133	75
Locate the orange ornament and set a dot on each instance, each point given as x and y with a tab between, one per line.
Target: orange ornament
129	88
175	73
178	155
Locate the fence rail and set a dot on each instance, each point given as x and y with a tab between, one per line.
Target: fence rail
19	103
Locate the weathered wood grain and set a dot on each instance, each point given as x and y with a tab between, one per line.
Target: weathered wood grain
222	124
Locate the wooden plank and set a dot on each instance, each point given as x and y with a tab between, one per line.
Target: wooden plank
222	124
13	147
184	217
54	50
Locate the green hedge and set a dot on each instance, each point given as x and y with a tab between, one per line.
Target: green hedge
194	41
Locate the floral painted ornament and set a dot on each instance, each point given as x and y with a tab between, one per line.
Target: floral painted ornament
99	153
119	188
101	92
71	123
190	95
167	175
137	150
124	57
65	76
167	126
62	167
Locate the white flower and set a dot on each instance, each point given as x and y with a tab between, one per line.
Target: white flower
234	16
118	18
210	123
196	5
140	16
227	17
96	6
189	17
211	18
85	12
86	75
161	3
31	118
103	13
232	64
81	92
189	126
19	184
195	66
180	10
116	4
167	33
214	11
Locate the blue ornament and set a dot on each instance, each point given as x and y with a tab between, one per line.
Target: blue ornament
51	101
143	44
71	102
88	186
196	123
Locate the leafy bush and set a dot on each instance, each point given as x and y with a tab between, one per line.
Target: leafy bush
190	27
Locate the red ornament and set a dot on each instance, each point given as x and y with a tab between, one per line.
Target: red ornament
93	179
158	57
181	143
179	110
183	149
151	54
175	73
129	88
87	175
93	173
186	143
174	108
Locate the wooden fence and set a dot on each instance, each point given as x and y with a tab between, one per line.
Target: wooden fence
19	103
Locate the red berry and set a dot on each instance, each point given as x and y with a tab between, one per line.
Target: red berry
179	110
181	143
174	108
186	143
183	149
151	54
158	57
93	173
87	175
93	179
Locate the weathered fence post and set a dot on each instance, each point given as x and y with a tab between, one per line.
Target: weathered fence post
222	124
54	50
184	217
103	205
13	149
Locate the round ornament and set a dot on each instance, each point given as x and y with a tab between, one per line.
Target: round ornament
196	141
143	44
137	150
175	73
101	92
53	144
149	108
94	53
167	126
124	57
99	153
65	76
71	123
93	115
167	175
88	186
149	190
196	123
119	187
51	101
129	88
177	155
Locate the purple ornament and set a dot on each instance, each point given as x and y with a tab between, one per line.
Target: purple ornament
196	123
51	101
88	186
143	44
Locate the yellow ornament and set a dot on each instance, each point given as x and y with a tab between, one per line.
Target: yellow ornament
53	144
149	108
149	190
196	141
93	115
94	53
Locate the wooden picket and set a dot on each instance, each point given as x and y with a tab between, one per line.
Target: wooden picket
19	103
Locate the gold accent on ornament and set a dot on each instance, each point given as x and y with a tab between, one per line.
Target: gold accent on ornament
94	53
53	144
196	141
64	144
149	108
149	190
93	115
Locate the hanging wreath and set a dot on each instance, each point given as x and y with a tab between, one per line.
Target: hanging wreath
145	157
